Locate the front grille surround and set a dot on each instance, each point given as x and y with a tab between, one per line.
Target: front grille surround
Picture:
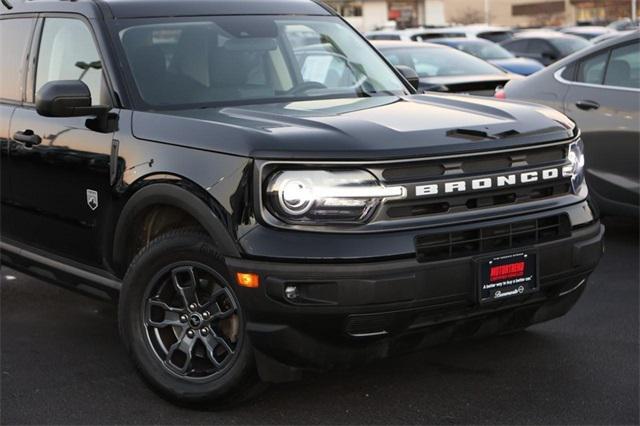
424	212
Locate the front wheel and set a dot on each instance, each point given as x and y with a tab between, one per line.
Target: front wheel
182	322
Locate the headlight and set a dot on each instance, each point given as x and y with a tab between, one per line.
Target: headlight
576	169
318	197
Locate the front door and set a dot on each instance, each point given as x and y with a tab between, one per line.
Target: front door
60	189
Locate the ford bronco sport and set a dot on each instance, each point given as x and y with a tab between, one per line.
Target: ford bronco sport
264	194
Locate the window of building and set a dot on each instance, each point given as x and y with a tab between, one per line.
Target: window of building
347	8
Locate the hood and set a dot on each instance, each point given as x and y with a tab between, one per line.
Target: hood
521	66
377	128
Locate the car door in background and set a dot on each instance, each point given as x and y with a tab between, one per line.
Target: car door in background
60	169
604	100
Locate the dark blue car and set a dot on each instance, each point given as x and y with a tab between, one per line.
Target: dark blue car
493	53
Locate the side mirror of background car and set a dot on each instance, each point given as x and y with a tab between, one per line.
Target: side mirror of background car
72	98
410	74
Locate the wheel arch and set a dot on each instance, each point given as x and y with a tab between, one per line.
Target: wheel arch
176	197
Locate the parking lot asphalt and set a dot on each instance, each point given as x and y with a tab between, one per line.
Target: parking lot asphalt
62	363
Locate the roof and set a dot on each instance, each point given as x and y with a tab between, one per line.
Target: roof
162	8
542	34
390	44
461	40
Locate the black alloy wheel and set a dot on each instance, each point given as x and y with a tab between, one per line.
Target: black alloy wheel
192	320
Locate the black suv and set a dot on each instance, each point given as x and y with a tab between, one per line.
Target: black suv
263	193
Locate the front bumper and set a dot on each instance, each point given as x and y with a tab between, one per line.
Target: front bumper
347	313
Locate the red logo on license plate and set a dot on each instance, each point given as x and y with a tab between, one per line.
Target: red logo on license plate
508	271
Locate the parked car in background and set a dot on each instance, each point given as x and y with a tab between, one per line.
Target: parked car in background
495	34
625	24
493	53
610	35
587	32
443	69
544	46
395	35
599	88
487	32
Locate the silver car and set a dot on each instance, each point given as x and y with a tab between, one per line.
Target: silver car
599	88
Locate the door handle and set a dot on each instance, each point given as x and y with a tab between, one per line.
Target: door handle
587	105
28	138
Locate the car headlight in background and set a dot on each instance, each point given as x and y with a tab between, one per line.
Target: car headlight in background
319	197
576	168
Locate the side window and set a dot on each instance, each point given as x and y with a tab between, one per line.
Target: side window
68	52
591	70
540	47
12	56
624	67
516	45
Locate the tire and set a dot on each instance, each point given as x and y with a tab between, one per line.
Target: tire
205	358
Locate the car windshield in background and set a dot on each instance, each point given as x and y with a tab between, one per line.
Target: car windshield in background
485	50
439	62
568	45
188	62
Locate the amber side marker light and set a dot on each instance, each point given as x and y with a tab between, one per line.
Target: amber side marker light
247	280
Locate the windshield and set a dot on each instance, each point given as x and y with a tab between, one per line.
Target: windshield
219	60
485	50
568	45
439	62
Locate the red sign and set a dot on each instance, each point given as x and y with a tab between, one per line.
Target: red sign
506	272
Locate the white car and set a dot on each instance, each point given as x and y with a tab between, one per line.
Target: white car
491	33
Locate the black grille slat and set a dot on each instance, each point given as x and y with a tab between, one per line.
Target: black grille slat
472	242
483	163
473	201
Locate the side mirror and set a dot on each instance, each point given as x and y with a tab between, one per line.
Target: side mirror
410	75
72	98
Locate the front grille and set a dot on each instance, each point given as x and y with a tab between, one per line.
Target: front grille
472	242
469	167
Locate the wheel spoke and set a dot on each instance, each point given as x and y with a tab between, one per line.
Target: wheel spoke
185	288
171	319
184	345
171	315
213	304
211	343
160	304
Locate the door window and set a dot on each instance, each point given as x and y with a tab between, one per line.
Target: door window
541	48
592	69
68	52
16	34
624	67
519	46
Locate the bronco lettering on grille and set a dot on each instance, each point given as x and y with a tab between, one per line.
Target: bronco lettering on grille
492	182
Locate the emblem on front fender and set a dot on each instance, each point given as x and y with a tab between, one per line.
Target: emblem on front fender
92	199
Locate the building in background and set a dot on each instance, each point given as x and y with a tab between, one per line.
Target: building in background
367	15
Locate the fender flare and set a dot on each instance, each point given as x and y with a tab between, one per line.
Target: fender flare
175	196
